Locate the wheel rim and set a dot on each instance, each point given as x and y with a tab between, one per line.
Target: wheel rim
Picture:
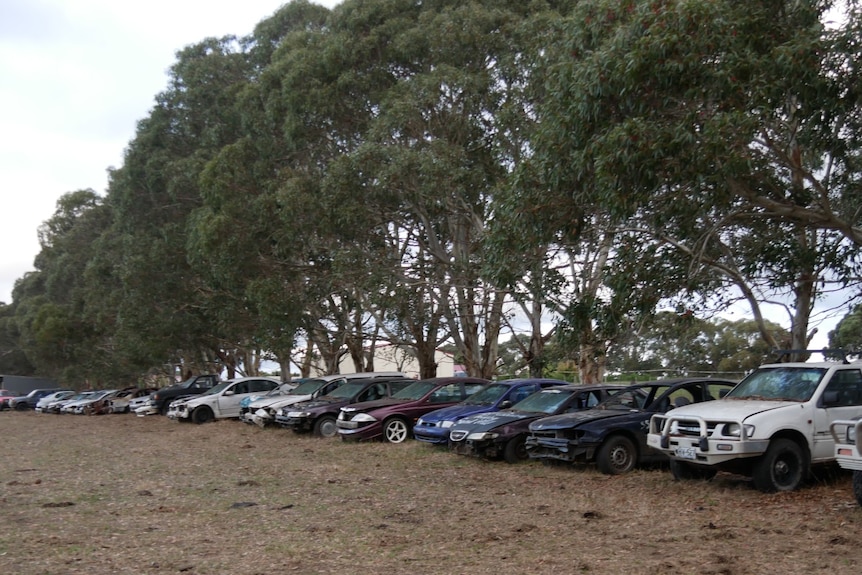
327	428
620	458
396	431
785	470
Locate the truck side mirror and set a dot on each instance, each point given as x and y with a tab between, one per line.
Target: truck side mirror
830	398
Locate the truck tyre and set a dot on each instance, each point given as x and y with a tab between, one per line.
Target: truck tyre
857	486
683	471
781	468
202	414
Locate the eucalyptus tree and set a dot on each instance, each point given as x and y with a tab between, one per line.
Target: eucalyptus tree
441	147
169	305
702	118
847	335
57	329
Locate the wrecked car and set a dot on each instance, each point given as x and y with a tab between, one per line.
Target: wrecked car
614	434
434	427
501	434
221	401
319	415
393	418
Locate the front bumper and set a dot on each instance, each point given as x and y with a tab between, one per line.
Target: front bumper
145	410
700	442
353	431
484	448
847	454
558	448
431	434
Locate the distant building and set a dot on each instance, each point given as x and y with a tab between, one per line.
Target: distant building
23	385
389	357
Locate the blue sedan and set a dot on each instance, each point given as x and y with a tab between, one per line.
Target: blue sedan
434	427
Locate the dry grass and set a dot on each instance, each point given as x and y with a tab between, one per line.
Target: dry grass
122	494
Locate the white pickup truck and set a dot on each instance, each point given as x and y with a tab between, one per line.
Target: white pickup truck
771	427
848	439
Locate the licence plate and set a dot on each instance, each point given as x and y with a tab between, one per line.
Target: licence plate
686	452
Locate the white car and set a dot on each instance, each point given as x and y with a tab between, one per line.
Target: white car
122	402
42	404
92	404
264	411
221	401
69	406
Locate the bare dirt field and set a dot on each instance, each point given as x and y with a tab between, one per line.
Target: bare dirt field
123	494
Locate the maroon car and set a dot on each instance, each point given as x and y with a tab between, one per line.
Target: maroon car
393	417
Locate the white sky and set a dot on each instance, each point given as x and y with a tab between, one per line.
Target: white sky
75	78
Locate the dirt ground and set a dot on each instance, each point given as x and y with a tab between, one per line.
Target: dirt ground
123	494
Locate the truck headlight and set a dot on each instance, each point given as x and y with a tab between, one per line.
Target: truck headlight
851	434
734	430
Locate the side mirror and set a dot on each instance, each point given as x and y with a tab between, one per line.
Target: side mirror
229	392
506	404
829	399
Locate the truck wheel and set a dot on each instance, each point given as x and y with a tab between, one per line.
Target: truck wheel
617	455
781	468
325	426
857	486
163	410
202	414
683	471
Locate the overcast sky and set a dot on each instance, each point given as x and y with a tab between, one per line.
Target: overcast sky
75	78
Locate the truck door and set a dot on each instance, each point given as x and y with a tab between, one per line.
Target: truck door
841	399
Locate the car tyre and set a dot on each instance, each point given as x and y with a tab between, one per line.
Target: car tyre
395	430
781	468
202	414
617	455
683	471
325	426
21	406
515	450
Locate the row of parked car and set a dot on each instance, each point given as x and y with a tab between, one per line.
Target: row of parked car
773	426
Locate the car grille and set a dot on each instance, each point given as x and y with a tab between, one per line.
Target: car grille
691	428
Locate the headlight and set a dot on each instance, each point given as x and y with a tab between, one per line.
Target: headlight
420	421
733	430
851	434
363	418
483	436
446	424
298	414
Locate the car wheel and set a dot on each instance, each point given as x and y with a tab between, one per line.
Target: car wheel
325	426
781	468
617	455
857	486
202	414
163	410
515	450
395	430
21	406
683	471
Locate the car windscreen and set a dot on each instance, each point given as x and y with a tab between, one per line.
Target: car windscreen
779	383
545	401
308	387
488	395
346	390
218	388
415	390
625	399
